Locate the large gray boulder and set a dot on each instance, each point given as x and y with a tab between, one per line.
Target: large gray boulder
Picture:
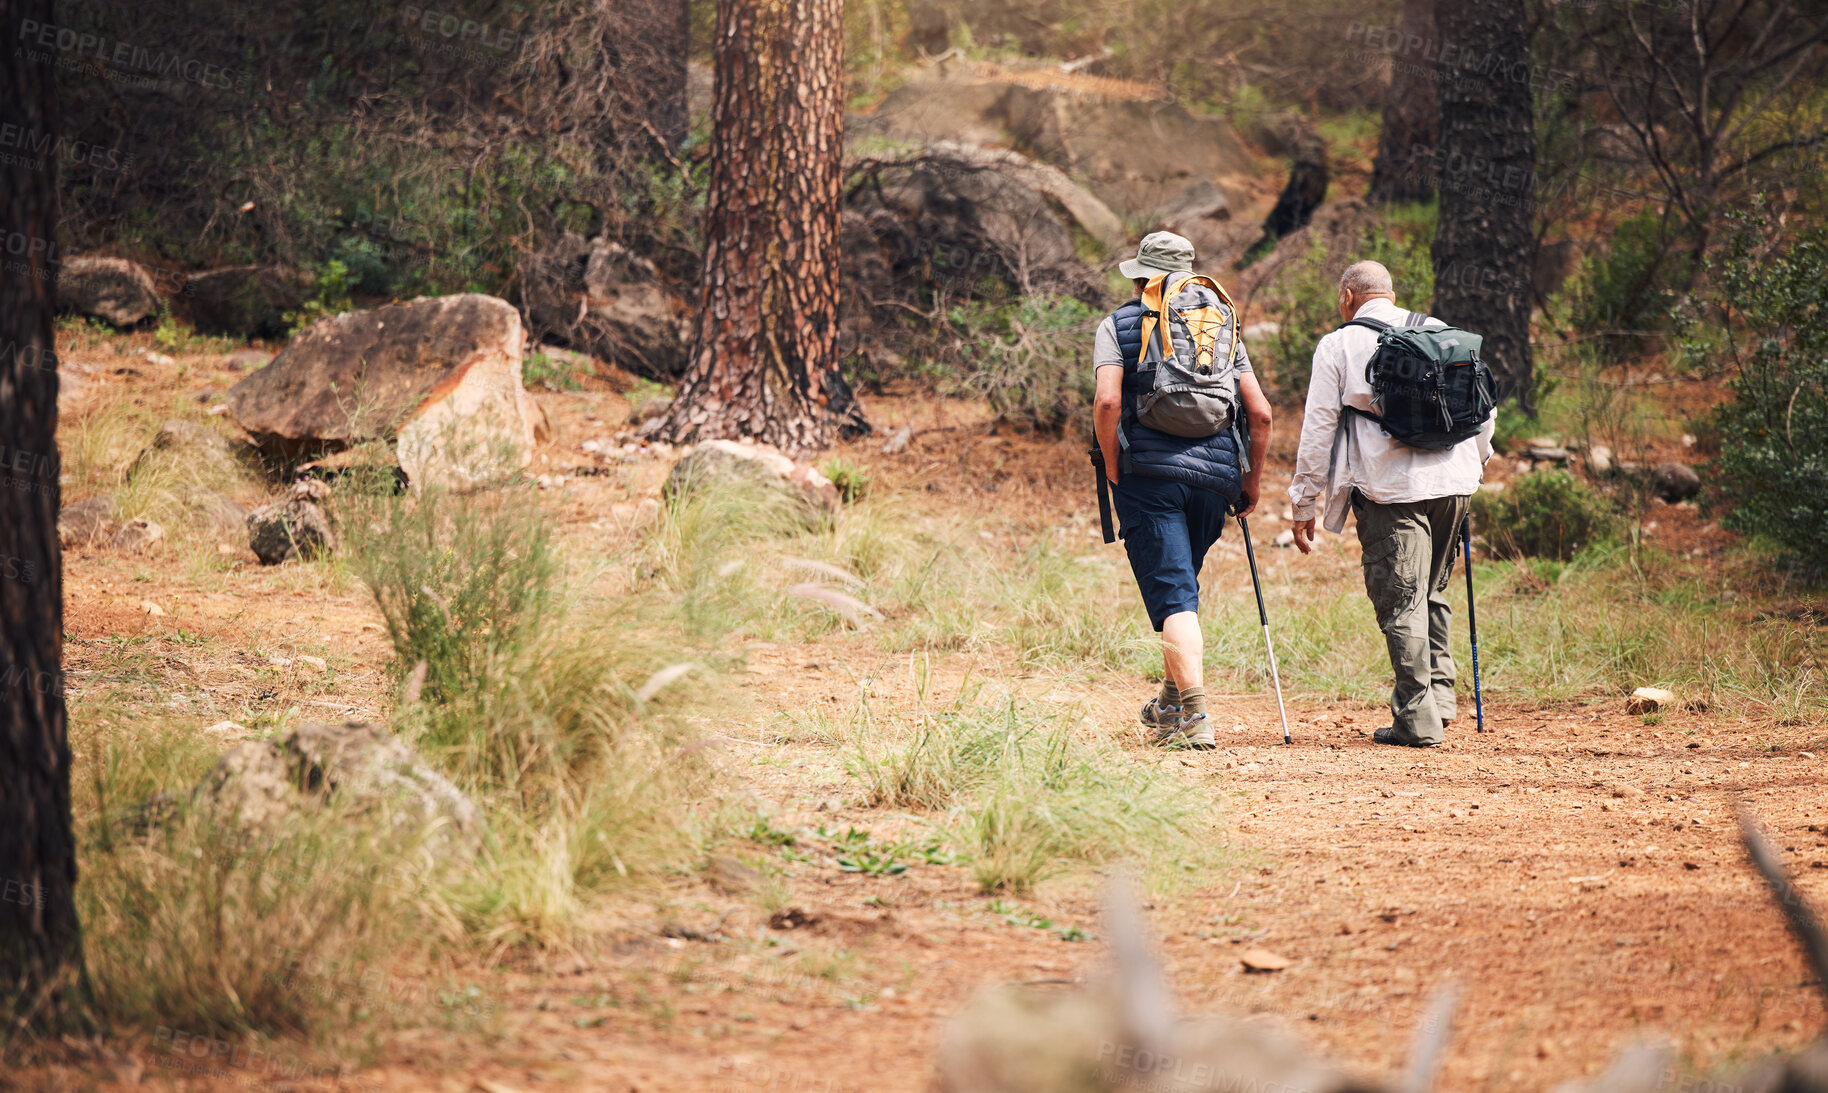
114	290
963	213
599	297
360	766
243	301
1090	129
439	377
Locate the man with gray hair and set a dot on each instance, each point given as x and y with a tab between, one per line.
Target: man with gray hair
1409	503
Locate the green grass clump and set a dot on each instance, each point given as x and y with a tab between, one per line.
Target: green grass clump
1025	796
528	701
196	923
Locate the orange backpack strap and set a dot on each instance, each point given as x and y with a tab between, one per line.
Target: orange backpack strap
1154	300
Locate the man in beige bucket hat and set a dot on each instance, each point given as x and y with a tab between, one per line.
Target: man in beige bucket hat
1173	484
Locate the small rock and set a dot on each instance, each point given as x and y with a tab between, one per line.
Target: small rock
815	501
1550	455
152	609
114	290
1648	700
1542	442
1262	960
299	525
137	534
1285	538
1688	440
318	663
228	726
86	523
899	442
1599	460
243	359
651	409
1675	482
261	782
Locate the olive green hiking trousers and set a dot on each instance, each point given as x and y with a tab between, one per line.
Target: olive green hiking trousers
1408	559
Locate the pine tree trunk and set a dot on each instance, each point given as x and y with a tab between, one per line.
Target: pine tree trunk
765	360
41	964
1484	248
1403	170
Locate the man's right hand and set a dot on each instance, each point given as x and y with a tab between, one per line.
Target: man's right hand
1304	536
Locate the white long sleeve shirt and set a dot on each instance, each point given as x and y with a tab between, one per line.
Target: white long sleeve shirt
1332	461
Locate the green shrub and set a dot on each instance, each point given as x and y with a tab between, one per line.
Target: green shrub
1773	435
552	373
1029	360
852	480
1545	514
329	296
1305	294
1632	290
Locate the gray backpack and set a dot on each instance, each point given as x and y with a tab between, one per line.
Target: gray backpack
1186	388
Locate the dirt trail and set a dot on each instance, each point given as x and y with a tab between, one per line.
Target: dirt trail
1576	873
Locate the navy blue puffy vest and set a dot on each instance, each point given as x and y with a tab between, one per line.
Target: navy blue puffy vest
1208	464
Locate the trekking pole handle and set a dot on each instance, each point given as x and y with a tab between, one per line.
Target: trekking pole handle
1104	495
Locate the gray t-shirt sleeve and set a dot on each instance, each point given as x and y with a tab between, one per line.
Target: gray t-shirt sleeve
1104	345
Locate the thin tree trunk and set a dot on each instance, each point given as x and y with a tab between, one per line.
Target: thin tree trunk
672	26
1403	170
765	360
41	963
1484	249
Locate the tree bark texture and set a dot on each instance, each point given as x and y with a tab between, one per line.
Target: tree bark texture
1402	172
41	965
1484	248
765	359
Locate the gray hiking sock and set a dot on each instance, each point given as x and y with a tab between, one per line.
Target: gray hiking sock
1193	701
1170	696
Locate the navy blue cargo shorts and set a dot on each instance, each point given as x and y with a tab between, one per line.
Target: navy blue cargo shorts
1168	527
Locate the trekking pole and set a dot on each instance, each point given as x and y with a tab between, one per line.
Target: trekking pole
1263	617
1472	616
